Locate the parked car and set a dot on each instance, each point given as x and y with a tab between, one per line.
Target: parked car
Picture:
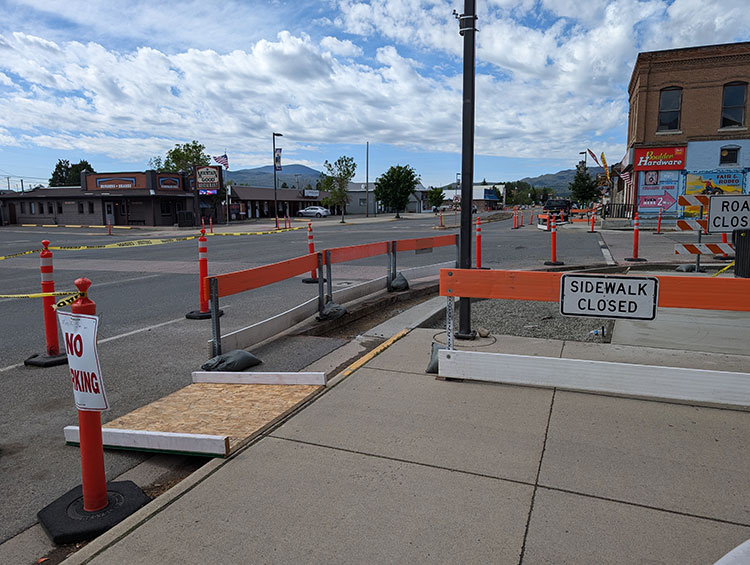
314	211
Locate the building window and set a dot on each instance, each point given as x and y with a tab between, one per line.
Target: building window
59	207
670	101
362	202
80	207
23	207
733	105
91	207
729	155
32	208
50	208
166	208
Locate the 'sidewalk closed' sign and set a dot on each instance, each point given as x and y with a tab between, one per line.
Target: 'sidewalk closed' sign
609	296
79	332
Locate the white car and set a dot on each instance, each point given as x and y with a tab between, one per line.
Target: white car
316	211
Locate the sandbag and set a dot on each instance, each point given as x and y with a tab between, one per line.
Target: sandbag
432	367
331	311
236	360
399	283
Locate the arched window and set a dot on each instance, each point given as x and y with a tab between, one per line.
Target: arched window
733	105
670	103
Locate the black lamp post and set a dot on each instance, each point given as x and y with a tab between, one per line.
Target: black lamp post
275	198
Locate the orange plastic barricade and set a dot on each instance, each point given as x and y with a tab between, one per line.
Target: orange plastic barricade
425	242
352	252
703	293
240	281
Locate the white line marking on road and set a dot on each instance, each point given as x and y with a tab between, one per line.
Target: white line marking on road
16	366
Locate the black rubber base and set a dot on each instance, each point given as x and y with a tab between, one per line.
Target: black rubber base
198	315
724	258
311	281
65	520
553	263
658	233
638	259
37	360
468	336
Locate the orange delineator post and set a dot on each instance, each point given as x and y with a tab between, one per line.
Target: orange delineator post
93	478
109	227
635	240
479	243
441	219
203	270
658	223
311	249
593	219
211	224
203	224
48	302
553	244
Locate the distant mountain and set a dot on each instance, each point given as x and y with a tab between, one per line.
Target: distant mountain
560	180
263	176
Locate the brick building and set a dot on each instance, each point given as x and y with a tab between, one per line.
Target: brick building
687	127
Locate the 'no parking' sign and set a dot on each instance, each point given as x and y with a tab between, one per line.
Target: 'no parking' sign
79	332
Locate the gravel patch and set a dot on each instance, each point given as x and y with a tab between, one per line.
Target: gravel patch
525	318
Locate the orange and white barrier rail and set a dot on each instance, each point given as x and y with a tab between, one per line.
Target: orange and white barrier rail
703	248
692	225
693	200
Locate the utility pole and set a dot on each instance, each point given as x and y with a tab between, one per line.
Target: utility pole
467	29
367	181
21	185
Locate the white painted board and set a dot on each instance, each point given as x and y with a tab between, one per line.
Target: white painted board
259	378
157	441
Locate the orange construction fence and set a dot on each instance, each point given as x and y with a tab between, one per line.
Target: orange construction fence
703	293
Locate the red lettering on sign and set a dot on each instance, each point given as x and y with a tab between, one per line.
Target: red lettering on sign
84	381
74	344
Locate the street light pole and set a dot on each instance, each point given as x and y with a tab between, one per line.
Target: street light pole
275	197
467	29
584	157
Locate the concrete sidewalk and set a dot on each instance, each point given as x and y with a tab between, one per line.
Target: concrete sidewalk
392	465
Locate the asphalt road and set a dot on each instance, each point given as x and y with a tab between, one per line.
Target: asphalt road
146	346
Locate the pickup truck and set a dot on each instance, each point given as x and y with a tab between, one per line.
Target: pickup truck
558	206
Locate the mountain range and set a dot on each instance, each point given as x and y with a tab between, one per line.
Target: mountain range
294	174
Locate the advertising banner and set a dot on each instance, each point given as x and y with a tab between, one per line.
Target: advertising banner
277	159
658	190
659	159
712	183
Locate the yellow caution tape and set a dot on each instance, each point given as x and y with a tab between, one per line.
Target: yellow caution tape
68	301
133	243
724	269
19	254
37	294
257	232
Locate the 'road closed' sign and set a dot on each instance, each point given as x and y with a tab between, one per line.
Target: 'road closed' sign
609	296
728	212
79	333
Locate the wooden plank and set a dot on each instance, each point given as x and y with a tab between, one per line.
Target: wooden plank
240	281
199	444
259	378
239	412
714	388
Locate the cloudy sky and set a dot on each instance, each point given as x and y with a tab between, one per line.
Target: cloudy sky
117	82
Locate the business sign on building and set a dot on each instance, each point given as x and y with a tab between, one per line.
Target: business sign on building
658	190
659	158
115	182
168	182
310	193
208	179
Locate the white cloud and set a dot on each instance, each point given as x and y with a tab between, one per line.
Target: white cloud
337	47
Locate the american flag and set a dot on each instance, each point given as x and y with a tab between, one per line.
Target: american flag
625	176
222	160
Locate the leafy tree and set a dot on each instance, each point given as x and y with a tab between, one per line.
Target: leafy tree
583	188
66	174
435	196
181	158
336	180
394	187
284	185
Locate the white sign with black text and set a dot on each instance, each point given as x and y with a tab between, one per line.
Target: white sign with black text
728	212
609	296
79	333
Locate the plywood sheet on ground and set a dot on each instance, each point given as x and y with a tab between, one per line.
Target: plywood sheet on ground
238	411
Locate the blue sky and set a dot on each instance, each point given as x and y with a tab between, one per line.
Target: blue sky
117	83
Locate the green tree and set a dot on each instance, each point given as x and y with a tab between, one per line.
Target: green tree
394	187
181	158
435	196
66	174
336	180
284	185
583	188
